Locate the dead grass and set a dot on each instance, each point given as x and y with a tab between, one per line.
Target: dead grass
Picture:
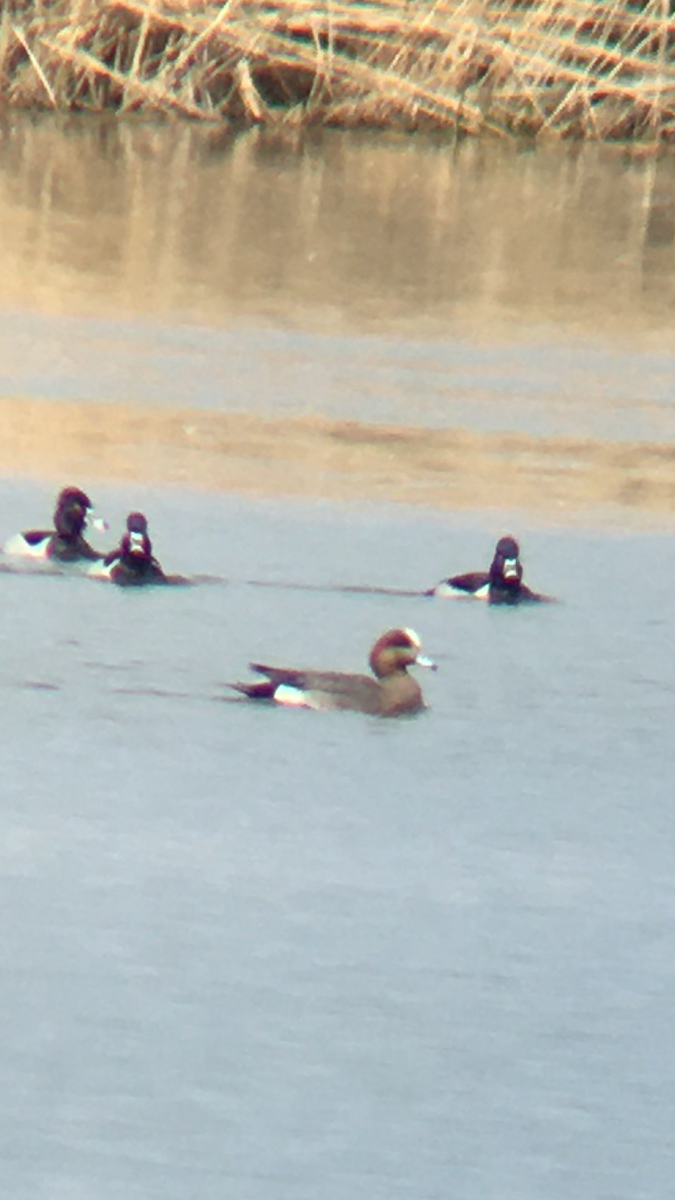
602	69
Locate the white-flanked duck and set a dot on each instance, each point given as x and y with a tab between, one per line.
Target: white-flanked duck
502	584
132	563
389	692
64	543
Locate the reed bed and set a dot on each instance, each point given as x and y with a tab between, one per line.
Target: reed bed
602	69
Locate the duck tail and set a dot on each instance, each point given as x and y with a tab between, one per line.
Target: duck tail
256	691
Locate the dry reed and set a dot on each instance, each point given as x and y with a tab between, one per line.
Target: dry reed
603	69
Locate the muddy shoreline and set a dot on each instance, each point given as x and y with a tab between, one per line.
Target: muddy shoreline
335	460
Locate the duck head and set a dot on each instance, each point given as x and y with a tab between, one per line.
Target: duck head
397	650
73	513
506	568
136	544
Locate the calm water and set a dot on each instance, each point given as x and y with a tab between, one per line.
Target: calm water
290	956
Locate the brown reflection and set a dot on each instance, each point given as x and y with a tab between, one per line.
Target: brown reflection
338	460
343	231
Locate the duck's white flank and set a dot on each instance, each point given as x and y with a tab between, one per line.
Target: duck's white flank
100	570
19	547
445	591
293	697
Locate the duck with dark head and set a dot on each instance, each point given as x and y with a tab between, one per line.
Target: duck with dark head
132	563
501	584
65	543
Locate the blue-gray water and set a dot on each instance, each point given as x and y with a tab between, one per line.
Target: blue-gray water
284	955
288	954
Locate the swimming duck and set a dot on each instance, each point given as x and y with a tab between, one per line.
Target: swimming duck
132	564
391	693
65	542
502	584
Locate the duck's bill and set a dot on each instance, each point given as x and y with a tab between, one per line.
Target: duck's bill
510	568
423	660
97	523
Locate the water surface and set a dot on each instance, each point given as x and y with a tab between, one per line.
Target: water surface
211	286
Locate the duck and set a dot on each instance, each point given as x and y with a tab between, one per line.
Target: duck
65	543
389	692
502	584
132	563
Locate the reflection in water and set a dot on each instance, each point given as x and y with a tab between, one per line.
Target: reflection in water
469	290
337	232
